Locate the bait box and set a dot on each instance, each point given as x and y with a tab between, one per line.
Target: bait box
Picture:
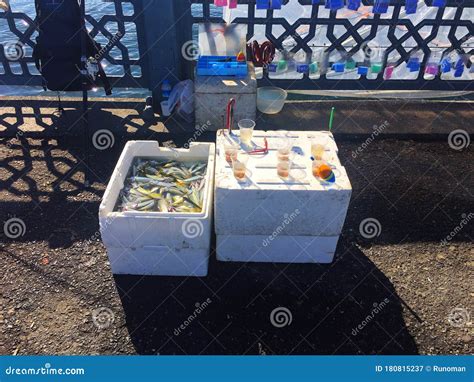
221	66
212	93
157	243
267	219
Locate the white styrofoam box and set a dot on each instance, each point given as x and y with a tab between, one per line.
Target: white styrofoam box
212	93
278	249
264	201
160	260
157	243
301	206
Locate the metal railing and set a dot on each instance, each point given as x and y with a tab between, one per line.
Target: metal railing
145	57
120	33
349	33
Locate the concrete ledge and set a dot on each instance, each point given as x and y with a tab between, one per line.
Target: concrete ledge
226	84
362	117
420	119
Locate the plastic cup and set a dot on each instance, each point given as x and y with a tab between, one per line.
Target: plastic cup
388	72
285	154
246	127
318	146
282	65
284	147
321	170
165	110
283	169
376	67
239	166
231	149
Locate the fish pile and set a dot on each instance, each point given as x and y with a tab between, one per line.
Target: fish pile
164	186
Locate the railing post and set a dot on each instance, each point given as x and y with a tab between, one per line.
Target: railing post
167	26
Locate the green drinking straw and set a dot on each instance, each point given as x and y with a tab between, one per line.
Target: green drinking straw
331	118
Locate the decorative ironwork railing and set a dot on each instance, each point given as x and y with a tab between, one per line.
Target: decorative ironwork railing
115	24
309	31
315	33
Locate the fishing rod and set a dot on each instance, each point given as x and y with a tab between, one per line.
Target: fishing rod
84	81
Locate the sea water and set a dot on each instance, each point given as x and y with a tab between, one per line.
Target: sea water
96	8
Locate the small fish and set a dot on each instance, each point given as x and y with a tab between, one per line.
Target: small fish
163	205
193	199
199	167
163	186
178	199
192	179
152	182
141	190
155	177
169	164
145	205
174	191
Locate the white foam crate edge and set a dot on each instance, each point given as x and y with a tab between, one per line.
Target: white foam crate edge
149	229
276	249
135	149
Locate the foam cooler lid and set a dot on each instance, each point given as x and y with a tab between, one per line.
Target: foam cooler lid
262	173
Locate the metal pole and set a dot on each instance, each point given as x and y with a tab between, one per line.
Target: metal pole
167	27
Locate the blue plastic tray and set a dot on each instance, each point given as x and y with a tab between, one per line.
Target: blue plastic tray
221	66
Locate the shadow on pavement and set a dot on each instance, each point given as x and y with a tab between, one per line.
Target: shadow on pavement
347	307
